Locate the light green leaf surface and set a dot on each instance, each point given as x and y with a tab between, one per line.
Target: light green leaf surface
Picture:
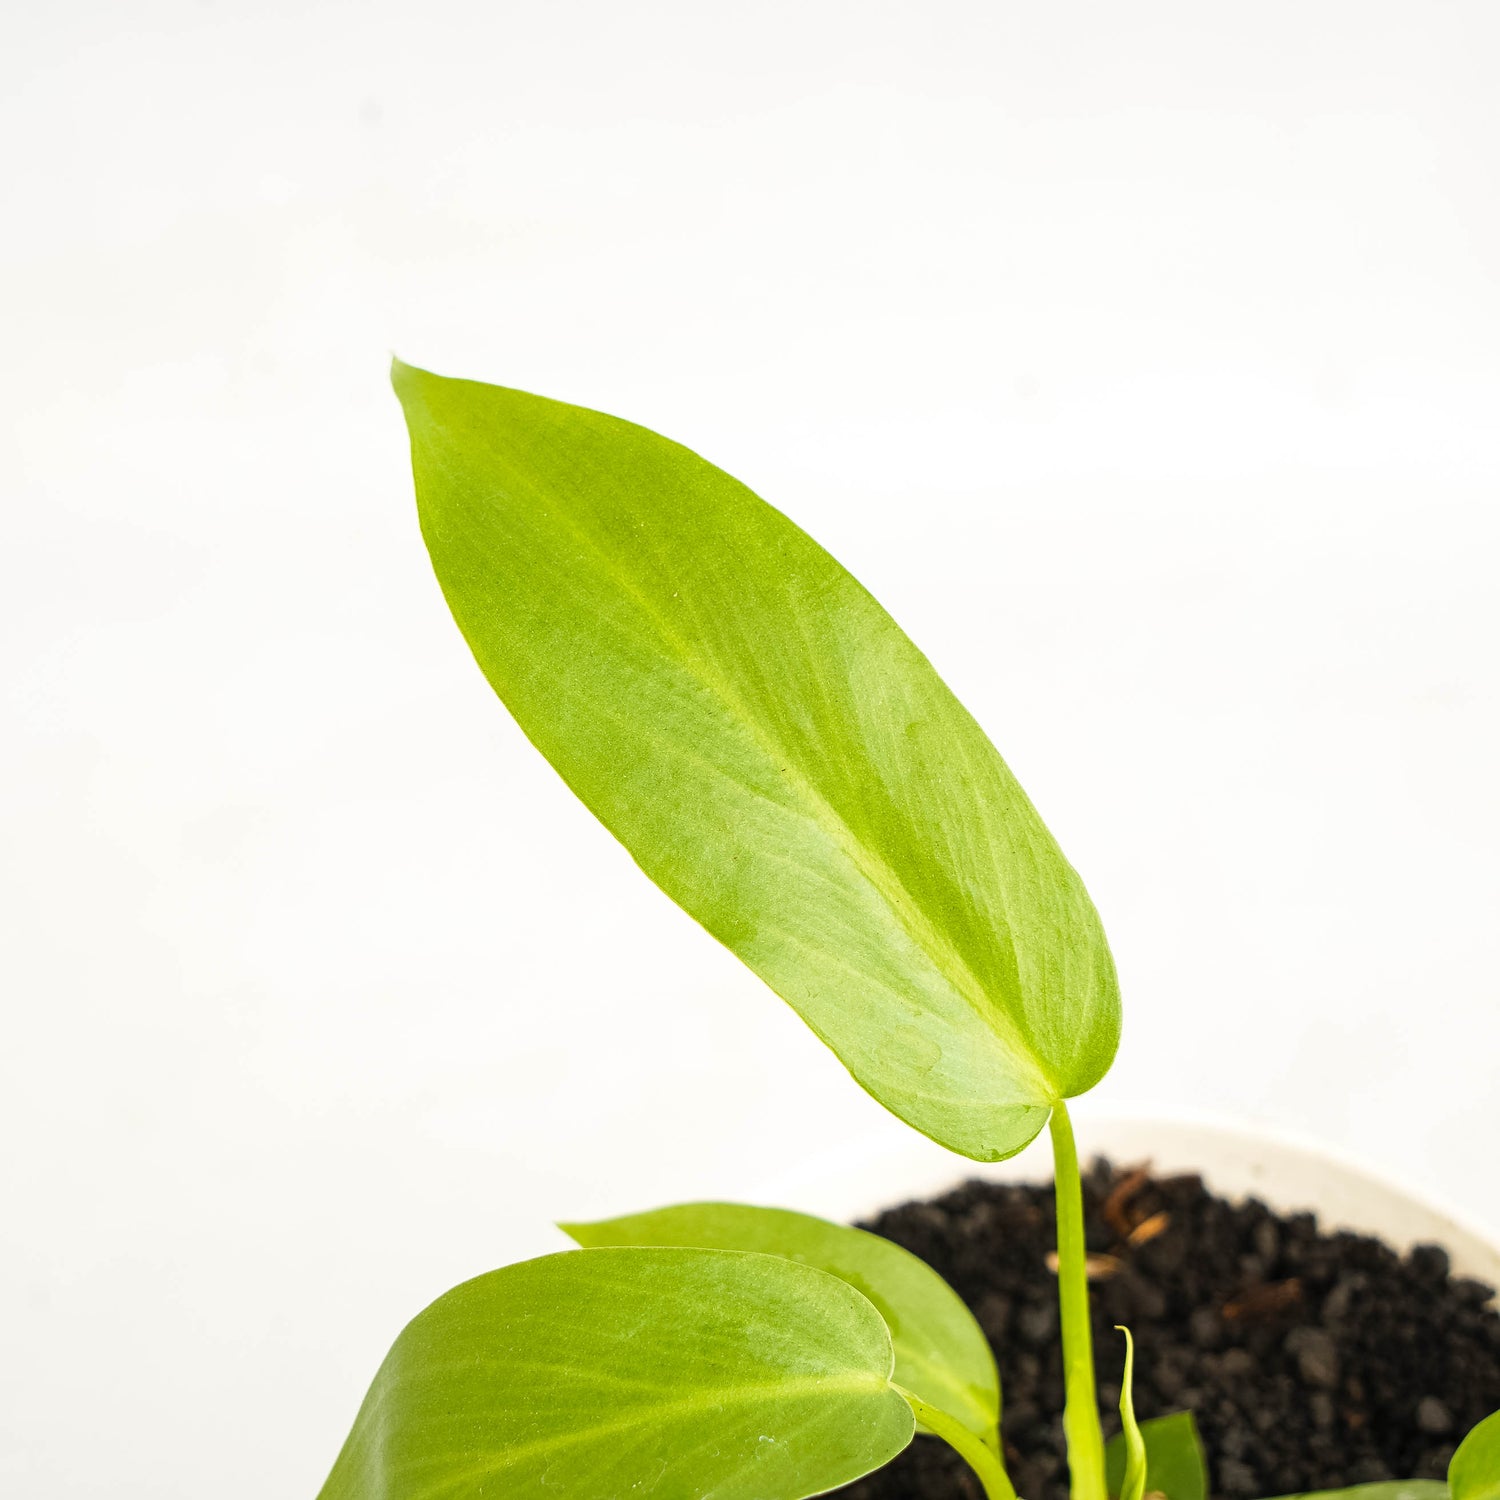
942	1355
1389	1489
1174	1458
1474	1473
1133	1480
773	751
607	1374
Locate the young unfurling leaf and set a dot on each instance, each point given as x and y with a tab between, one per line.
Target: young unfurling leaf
773	751
1133	1481
1174	1458
604	1374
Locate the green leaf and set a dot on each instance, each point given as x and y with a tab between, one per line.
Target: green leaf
1174	1458
773	751
602	1374
1133	1481
942	1355
1474	1473
1387	1489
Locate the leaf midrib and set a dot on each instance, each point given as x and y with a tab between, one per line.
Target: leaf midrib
738	1395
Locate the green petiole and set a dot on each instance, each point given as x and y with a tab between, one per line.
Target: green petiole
1081	1409
984	1461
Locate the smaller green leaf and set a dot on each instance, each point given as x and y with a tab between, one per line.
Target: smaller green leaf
1174	1458
607	1374
942	1355
1133	1484
1386	1489
1474	1473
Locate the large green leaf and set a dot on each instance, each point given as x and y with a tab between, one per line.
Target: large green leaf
606	1374
1174	1458
773	751
1474	1473
942	1354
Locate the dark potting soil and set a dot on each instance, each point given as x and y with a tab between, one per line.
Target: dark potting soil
1310	1360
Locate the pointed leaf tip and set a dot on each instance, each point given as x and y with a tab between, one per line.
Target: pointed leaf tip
1133	1484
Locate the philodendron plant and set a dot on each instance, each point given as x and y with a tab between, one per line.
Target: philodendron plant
786	765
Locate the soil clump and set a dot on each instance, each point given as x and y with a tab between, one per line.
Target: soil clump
1311	1360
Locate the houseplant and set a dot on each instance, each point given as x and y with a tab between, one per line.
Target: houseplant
781	760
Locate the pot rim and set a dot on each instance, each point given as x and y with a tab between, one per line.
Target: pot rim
1238	1159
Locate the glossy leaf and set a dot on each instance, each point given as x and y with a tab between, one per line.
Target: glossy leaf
942	1355
773	751
1174	1458
606	1374
1388	1489
1133	1480
1474	1473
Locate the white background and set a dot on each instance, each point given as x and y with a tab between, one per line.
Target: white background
1143	359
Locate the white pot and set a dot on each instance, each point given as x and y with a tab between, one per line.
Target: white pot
1286	1173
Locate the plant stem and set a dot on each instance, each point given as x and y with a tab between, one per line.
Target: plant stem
986	1463
1081	1411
